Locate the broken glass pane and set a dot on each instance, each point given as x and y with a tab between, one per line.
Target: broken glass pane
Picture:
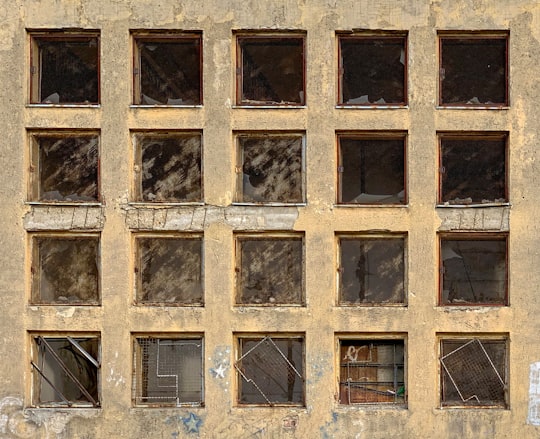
270	271
170	271
272	71
474	171
68	270
372	171
373	71
271	169
68	168
473	71
372	270
170	168
474	271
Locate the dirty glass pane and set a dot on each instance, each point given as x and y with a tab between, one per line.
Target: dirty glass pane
68	71
473	171
271	371
473	71
170	168
372	171
272	71
170	271
474	272
68	168
170	71
372	270
371	372
168	372
270	271
373	71
68	271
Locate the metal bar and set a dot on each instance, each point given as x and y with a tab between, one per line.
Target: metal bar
60	394
89	357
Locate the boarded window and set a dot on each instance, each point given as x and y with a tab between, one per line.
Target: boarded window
65	270
66	371
372	270
271	169
271	370
474	271
270	70
473	70
269	270
168	371
371	170
372	70
169	271
168	70
473	373
372	372
169	167
65	69
473	169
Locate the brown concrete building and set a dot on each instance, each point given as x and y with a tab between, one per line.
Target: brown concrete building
274	219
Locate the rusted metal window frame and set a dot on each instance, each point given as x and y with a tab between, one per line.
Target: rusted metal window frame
473	236
163	36
372	35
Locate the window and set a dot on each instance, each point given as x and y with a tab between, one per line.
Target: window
474	269
372	69
474	69
64	166
270	370
168	371
371	269
65	269
64	68
168	69
66	370
372	371
371	168
474	372
169	270
270	70
269	269
270	168
168	167
473	168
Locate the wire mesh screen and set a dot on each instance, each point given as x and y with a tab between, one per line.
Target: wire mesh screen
168	371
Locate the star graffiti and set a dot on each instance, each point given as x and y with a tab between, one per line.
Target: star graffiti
219	372
192	423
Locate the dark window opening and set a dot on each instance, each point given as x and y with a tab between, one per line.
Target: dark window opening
169	271
371	170
372	70
271	71
271	371
372	270
474	271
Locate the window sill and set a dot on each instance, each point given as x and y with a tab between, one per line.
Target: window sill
371	305
144	106
40	105
158	204
373	107
268	106
64	203
372	407
240	203
472	107
154	305
351	205
472	205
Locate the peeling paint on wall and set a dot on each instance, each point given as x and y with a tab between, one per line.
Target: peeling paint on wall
534	395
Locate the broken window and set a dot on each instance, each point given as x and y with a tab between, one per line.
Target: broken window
270	70
66	371
269	270
168	371
270	370
372	70
371	169
371	270
473	70
474	372
168	167
169	270
168	69
372	372
65	167
65	270
474	270
64	68
473	169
